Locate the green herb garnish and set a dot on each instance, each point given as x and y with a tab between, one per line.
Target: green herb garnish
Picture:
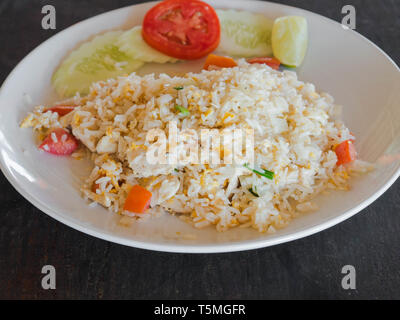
267	174
254	193
176	170
182	110
178	88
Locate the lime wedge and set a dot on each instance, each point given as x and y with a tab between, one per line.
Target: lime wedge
290	40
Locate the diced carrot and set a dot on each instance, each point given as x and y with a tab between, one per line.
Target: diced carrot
271	62
138	200
62	110
345	152
219	61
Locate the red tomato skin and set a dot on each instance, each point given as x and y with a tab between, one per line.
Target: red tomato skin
271	62
345	152
59	148
62	110
205	43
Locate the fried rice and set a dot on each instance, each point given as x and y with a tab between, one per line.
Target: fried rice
295	129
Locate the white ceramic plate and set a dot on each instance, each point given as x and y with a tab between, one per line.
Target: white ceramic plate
357	73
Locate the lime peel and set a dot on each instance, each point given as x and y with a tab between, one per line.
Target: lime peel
290	40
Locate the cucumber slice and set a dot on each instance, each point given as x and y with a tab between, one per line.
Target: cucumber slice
131	43
96	60
244	34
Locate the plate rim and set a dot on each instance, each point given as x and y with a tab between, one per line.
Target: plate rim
234	246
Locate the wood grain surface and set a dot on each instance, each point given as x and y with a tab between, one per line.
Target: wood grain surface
89	268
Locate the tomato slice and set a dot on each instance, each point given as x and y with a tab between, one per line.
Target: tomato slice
184	29
62	110
59	142
272	62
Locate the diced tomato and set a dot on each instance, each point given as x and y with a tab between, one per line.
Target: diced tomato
138	200
184	29
272	62
345	152
59	142
62	110
219	61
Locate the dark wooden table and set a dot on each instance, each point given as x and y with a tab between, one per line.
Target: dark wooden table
90	268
